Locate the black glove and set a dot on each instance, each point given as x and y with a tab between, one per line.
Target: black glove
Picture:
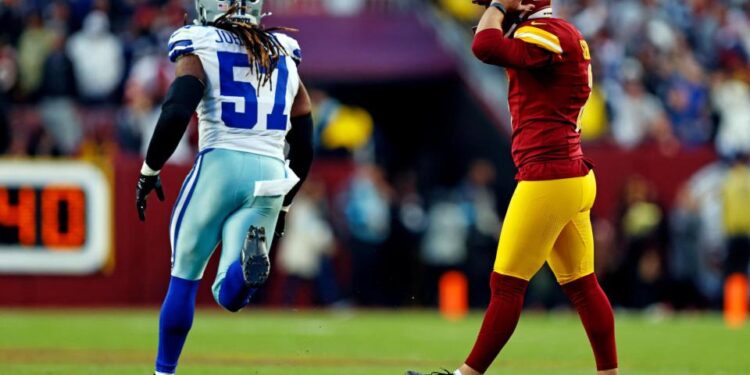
145	185
280	224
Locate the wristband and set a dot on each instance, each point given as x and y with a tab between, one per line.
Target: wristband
499	7
147	171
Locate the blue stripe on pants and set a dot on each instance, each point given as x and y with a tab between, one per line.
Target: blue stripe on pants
191	189
187	202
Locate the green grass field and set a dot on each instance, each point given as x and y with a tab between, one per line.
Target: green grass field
115	342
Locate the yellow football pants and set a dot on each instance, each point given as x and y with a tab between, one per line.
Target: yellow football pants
549	221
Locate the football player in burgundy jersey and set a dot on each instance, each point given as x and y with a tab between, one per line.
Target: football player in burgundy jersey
548	219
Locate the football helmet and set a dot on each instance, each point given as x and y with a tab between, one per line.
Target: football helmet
250	11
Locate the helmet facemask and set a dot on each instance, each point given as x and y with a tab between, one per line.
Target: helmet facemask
248	11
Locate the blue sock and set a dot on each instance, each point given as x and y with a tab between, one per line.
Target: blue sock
175	321
234	294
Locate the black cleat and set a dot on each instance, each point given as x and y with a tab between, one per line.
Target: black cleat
254	258
444	372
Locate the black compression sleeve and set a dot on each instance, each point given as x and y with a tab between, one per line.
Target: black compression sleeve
300	140
182	100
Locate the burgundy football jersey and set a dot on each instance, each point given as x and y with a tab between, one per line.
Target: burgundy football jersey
549	71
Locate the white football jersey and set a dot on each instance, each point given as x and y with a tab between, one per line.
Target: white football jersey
235	113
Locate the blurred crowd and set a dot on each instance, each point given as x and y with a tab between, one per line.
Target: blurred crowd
92	73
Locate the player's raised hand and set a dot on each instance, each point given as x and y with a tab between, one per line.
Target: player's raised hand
145	185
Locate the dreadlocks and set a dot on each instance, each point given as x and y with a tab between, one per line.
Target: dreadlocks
263	49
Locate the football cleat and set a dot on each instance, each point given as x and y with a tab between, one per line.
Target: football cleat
444	372
254	258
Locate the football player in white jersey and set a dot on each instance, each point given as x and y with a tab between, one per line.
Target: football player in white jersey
242	80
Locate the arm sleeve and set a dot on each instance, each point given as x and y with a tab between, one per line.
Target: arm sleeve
300	140
492	47
182	100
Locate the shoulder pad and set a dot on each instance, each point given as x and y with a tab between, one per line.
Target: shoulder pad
539	37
